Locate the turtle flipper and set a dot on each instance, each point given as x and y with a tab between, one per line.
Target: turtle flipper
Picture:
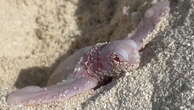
153	21
36	95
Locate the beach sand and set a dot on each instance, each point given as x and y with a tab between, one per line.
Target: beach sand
35	35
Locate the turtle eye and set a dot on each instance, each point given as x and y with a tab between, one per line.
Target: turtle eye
116	58
120	56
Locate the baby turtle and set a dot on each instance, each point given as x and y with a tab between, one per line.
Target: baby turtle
91	66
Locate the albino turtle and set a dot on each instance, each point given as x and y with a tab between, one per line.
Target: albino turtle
89	67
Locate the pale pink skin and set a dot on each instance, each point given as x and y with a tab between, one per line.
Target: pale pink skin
89	67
